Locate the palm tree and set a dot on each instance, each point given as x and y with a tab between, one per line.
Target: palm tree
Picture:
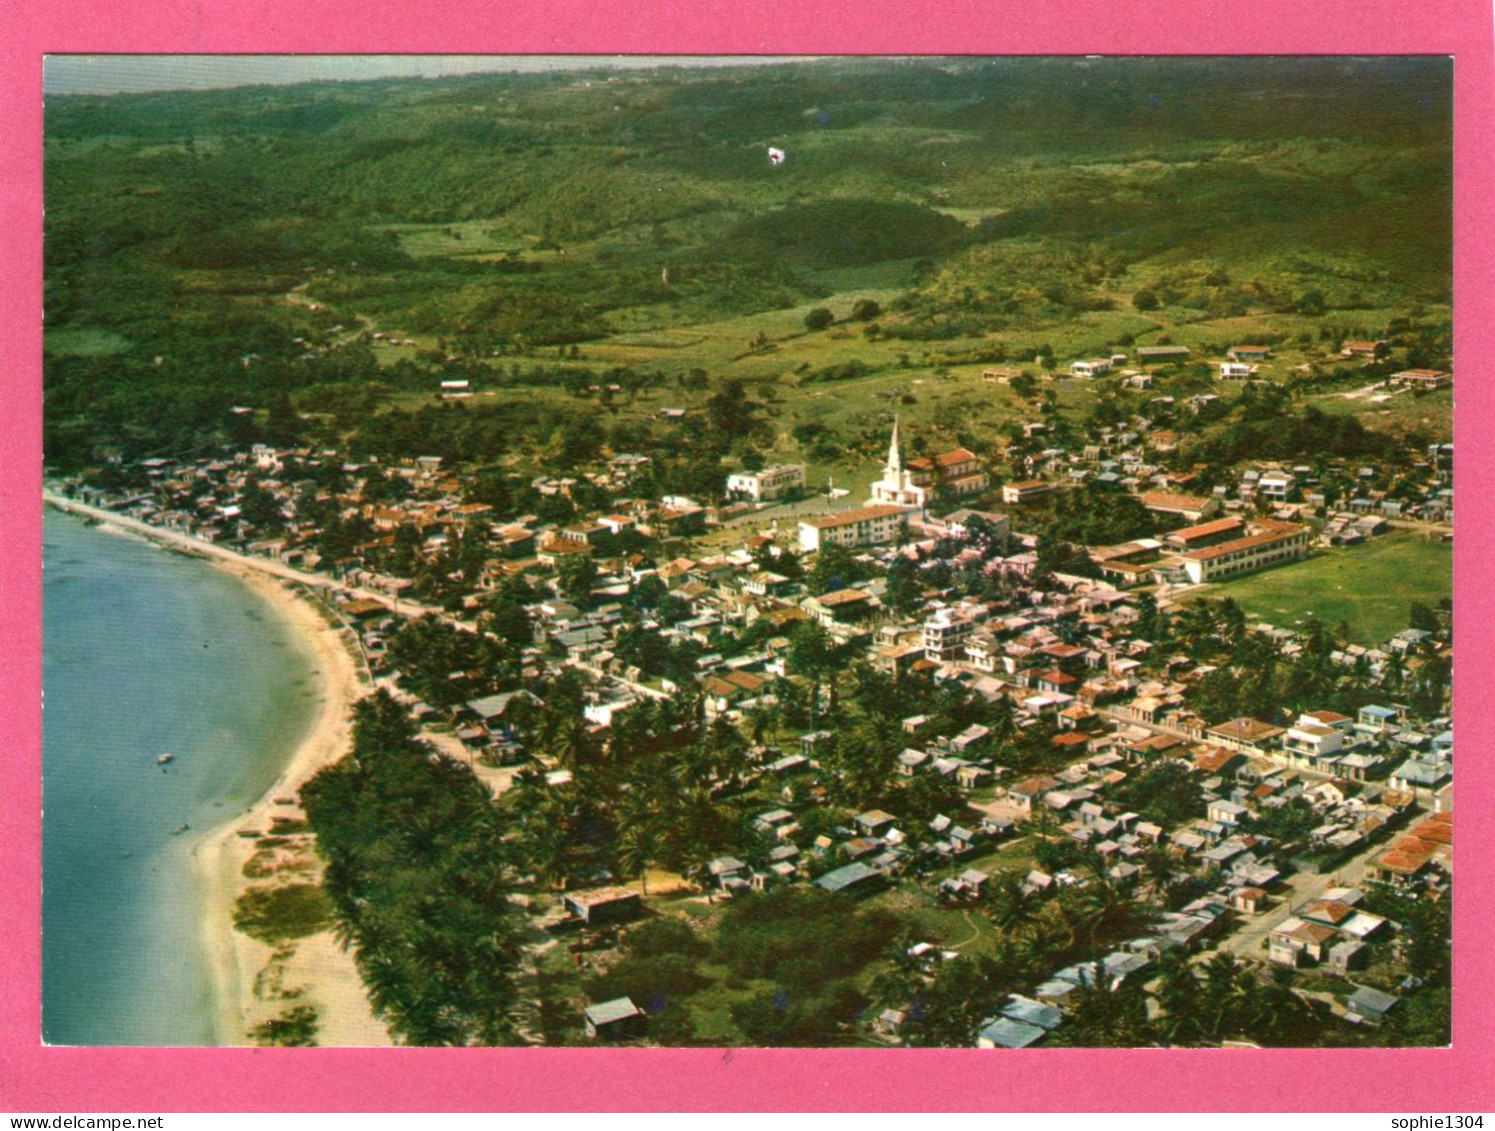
1178	995
637	847
1107	1017
1013	908
1225	995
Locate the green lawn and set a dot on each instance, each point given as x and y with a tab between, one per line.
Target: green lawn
1369	587
93	342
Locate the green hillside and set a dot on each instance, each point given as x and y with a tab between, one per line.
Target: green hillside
221	248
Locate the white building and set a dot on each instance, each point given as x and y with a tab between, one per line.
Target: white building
865	526
947	631
1311	739
1267	543
1090	367
897	487
769	484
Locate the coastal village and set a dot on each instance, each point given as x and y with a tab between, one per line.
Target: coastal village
1053	793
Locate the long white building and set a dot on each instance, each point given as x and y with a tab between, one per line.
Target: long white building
1266	543
876	525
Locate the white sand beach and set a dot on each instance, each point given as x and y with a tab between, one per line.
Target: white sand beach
253	981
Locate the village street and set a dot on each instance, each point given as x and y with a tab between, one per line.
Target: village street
1301	888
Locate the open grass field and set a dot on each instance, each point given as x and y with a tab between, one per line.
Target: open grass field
1430	413
85	343
1368	587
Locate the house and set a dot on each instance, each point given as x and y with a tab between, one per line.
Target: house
1028	491
1296	942
948	475
1248	900
1090	367
1249	736
856	878
1279	486
1005	1033
604	905
1031	1012
1425	379
1249	353
768	484
492	708
1147	355
614	1020
1225	812
1236	371
874	821
1188	507
1369	350
1311	740
1370	1004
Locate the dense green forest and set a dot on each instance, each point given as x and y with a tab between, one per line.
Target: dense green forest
239	247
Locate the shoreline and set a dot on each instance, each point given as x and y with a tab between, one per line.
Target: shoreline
250	978
252	982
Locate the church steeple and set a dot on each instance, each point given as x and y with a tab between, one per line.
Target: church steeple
893	473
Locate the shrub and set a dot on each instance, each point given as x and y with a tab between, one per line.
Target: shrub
819	319
275	914
295	1028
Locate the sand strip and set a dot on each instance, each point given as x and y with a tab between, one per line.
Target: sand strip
250	981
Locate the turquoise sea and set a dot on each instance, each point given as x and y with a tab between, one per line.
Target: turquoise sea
146	653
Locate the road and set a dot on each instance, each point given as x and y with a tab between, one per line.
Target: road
1302	888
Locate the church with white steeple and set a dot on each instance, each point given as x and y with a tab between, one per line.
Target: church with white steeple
897	485
918	482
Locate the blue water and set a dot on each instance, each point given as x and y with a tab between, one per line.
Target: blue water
145	653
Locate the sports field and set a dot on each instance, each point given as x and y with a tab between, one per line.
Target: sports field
1369	587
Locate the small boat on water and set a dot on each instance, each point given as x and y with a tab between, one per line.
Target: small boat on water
180	829
164	759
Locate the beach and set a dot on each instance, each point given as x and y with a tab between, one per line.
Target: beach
253	979
252	982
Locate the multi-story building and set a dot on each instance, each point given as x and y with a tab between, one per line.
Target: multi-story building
769	484
947	631
952	474
1265	543
865	526
1028	491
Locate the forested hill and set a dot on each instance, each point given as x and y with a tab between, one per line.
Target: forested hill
495	214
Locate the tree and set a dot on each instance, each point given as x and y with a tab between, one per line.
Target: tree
1103	1016
903	593
819	319
865	310
577	576
1145	300
1423	618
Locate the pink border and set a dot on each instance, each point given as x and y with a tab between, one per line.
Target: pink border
36	1079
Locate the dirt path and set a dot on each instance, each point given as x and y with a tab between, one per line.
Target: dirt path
975	932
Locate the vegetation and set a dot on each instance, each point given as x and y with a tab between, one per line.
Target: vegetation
418	880
1369	589
540	235
295	1028
277	914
